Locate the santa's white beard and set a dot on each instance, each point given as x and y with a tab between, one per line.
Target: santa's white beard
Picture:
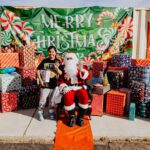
71	71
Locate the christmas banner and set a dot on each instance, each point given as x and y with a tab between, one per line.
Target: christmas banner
92	32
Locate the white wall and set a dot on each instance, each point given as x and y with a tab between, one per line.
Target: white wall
141	18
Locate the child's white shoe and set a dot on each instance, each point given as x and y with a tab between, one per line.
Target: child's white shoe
40	116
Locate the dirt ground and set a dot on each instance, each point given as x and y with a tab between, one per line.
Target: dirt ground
104	143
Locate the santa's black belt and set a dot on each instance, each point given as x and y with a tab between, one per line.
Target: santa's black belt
75	84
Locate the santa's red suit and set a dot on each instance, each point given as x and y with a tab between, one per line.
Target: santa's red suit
72	82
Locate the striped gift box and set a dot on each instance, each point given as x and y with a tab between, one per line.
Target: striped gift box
140	62
9	60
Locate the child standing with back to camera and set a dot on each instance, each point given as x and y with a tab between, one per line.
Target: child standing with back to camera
48	72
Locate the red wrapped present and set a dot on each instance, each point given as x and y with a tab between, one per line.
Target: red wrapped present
8	101
26	56
115	103
9	60
97	105
28	75
117	68
97	67
140	62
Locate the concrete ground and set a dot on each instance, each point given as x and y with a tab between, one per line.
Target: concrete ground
23	127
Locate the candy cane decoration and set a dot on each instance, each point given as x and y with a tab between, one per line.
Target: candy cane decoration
26	32
104	14
87	61
10	22
5	38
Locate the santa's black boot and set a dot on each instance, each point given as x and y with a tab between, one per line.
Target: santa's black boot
72	118
80	121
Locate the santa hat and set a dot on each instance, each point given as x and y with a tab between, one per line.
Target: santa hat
71	55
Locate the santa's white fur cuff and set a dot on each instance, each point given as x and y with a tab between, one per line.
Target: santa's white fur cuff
71	107
84	106
85	74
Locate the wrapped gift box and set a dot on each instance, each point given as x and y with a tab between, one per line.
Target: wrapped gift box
28	75
97	67
140	62
8	101
94	80
133	73
132	111
128	97
137	91
147	92
125	73
10	82
9	60
143	109
26	56
97	105
115	103
139	73
117	68
29	97
121	60
100	89
147	100
145	74
117	79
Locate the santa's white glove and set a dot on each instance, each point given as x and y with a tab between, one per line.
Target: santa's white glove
66	89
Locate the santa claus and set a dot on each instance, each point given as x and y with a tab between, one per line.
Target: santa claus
72	84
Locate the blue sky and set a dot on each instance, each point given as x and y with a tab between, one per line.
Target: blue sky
77	3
